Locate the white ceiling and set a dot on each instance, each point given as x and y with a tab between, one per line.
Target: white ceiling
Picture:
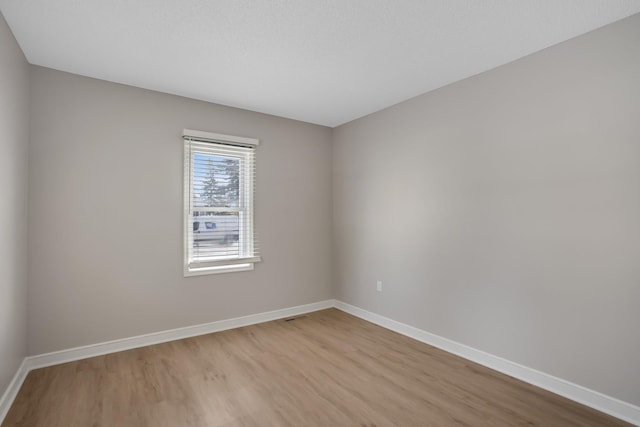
319	61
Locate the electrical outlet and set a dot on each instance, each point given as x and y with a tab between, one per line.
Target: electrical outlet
379	285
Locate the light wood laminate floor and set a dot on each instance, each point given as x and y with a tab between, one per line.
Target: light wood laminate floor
324	369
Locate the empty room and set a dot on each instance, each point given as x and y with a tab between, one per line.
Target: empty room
319	213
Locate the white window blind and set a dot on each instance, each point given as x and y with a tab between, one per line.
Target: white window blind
219	173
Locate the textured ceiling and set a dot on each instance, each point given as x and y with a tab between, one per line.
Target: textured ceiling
320	61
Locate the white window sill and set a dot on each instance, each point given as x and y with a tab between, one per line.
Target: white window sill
188	272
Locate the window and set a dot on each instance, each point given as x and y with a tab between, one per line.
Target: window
218	187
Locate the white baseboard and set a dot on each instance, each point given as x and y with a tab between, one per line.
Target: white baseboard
12	390
77	353
601	402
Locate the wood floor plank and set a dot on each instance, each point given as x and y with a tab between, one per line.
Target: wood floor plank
323	369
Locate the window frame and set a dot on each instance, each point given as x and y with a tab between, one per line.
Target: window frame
247	234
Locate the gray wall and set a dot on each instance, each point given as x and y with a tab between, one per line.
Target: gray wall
105	214
14	138
503	211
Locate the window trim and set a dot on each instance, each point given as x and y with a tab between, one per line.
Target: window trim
221	266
